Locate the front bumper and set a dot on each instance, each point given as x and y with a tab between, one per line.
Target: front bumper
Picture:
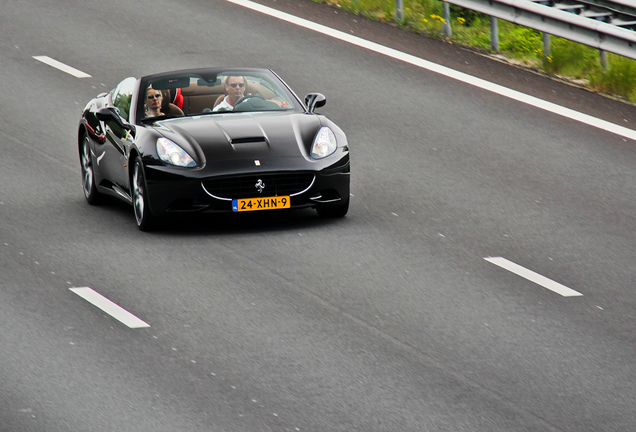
173	191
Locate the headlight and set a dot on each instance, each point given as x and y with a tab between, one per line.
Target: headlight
171	153
324	143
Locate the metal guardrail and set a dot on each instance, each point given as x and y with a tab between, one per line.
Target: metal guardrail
627	7
603	24
617	12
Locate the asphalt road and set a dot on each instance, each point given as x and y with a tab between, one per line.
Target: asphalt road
391	319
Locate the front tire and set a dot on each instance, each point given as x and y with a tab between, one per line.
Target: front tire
91	193
143	216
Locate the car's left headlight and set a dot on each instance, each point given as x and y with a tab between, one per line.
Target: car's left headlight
171	153
324	143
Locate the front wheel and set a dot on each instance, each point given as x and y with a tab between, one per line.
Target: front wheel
143	216
91	193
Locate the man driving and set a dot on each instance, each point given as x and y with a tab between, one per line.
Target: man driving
234	88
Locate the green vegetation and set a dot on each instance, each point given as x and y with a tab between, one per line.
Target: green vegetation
472	29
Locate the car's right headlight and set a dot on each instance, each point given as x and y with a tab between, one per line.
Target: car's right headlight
171	153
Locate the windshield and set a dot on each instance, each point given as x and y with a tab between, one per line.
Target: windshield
226	91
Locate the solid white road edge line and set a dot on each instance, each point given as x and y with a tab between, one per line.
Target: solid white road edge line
109	307
533	277
451	73
61	66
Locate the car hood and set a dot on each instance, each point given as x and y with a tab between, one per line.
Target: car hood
244	135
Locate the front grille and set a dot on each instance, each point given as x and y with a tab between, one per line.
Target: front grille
244	186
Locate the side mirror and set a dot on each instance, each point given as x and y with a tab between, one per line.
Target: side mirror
315	100
111	114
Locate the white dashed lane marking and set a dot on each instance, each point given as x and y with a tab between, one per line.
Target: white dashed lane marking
109	307
61	66
533	277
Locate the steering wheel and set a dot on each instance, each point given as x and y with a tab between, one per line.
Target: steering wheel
248	97
254	102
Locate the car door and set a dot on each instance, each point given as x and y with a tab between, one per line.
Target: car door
118	140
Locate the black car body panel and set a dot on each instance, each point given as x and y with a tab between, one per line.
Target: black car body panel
210	159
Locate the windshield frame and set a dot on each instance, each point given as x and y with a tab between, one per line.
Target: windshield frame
201	88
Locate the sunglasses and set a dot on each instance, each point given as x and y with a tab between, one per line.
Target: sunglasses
235	85
154	96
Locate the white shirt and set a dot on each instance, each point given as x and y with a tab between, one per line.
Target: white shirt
224	105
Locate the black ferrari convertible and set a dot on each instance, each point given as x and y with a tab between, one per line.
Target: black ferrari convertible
212	140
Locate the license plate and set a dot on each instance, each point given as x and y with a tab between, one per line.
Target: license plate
266	203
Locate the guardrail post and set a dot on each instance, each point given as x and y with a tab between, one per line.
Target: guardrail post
399	10
446	29
603	56
547	48
494	34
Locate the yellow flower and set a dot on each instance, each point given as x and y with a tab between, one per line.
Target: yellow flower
461	20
